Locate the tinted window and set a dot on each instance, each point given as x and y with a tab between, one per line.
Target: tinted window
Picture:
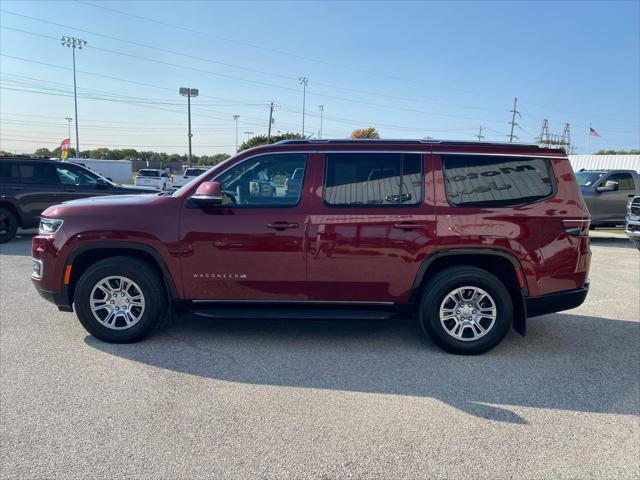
9	172
194	172
261	180
75	176
625	181
148	173
39	173
495	181
354	179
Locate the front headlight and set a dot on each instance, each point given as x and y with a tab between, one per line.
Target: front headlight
49	226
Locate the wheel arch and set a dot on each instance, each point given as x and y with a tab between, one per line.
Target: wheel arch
84	256
503	265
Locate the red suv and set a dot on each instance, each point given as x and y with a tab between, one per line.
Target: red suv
473	237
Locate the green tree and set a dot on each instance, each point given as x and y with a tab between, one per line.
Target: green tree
369	132
212	159
618	152
262	140
42	152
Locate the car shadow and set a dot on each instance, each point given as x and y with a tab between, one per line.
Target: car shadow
567	362
20	245
615	242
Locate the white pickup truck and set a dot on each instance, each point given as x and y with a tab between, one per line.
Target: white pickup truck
189	174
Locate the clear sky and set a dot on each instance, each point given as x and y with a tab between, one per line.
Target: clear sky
415	69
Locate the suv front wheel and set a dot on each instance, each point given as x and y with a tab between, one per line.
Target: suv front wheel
120	300
466	310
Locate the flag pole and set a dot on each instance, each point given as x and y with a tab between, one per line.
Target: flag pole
588	139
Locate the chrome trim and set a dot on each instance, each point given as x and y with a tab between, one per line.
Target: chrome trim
297	302
35	277
393	141
484	154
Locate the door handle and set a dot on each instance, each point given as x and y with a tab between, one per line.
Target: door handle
409	226
280	226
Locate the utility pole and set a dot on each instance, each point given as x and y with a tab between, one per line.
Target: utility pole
189	92
69	119
479	135
271	107
73	43
248	134
513	119
321	108
235	118
304	81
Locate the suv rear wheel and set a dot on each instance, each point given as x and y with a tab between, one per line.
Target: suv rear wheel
466	310
120	300
8	225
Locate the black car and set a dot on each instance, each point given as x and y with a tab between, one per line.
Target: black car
29	185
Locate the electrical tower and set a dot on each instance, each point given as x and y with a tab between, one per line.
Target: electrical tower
513	120
553	140
479	136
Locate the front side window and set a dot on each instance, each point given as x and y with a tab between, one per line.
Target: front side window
379	179
478	180
262	180
625	181
75	176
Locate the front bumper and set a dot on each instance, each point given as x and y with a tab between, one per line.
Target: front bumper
59	299
632	229
556	302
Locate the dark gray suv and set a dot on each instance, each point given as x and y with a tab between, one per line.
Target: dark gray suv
30	185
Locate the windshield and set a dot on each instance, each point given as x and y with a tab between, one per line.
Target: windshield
588	179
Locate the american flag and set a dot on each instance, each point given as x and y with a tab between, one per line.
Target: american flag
593	133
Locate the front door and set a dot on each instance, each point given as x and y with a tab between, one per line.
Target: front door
252	246
371	224
612	206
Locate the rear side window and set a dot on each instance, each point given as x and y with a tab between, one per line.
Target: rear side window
373	179
478	180
9	172
38	173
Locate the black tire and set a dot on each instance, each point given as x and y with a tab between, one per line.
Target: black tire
150	285
448	280
8	225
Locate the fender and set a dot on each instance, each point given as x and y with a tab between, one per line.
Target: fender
117	245
520	311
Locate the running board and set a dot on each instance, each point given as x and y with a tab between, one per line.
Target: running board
288	313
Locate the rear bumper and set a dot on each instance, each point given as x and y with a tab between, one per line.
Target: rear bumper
556	302
59	299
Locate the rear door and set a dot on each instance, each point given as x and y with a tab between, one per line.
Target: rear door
371	224
39	188
252	246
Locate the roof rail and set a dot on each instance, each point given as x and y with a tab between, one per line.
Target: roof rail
299	141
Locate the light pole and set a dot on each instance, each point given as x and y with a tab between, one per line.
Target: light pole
248	134
69	119
235	118
73	43
321	108
189	92
304	81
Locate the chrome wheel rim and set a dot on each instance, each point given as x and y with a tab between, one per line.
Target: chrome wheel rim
117	302
468	313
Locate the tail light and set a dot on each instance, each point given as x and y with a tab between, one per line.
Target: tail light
576	228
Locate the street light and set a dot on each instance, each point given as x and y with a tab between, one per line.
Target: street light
304	81
189	92
321	108
73	43
236	117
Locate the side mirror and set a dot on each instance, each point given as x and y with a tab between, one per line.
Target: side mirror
208	194
609	186
102	183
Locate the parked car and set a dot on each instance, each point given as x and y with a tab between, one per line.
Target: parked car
473	237
189	174
151	177
606	193
29	185
632	227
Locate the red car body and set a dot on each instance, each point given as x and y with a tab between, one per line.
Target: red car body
326	254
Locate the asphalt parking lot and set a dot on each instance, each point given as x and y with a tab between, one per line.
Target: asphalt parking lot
323	400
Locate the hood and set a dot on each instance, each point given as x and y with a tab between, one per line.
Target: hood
89	206
136	188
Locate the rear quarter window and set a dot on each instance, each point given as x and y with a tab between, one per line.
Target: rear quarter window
478	180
